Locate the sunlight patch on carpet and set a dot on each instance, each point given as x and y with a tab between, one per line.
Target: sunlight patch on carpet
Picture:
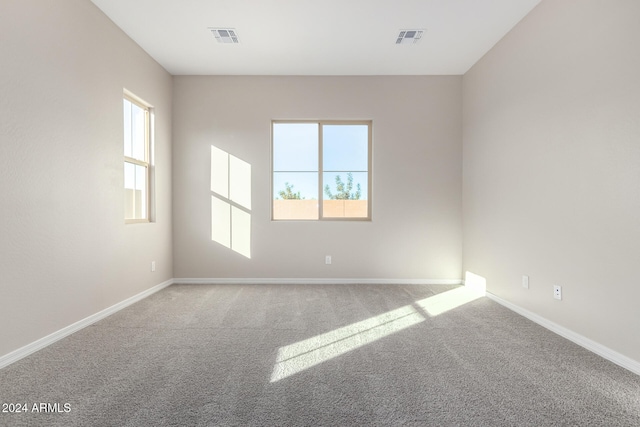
305	354
474	288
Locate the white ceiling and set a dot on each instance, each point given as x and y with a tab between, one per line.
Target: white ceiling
316	37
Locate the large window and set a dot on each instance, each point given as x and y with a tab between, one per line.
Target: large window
321	170
136	160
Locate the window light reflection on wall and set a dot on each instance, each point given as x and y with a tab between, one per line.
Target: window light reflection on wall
231	202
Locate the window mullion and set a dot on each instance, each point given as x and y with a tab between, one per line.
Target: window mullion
136	161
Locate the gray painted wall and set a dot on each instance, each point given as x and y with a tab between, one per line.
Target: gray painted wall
552	168
65	252
416	228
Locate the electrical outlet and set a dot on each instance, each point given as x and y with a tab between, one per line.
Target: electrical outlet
153	266
557	292
525	282
327	259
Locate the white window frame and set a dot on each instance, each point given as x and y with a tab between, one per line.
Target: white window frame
321	171
141	162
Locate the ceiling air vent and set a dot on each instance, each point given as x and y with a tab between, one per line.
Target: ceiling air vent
225	35
409	36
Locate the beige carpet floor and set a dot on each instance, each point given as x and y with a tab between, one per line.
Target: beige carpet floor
325	355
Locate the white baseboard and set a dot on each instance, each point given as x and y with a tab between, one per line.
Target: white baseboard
302	281
28	349
599	349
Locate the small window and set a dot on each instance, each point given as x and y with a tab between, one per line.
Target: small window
136	160
321	170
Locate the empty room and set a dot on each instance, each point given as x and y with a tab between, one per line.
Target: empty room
301	212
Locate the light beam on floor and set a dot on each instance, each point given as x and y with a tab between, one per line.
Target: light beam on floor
441	303
474	288
305	354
